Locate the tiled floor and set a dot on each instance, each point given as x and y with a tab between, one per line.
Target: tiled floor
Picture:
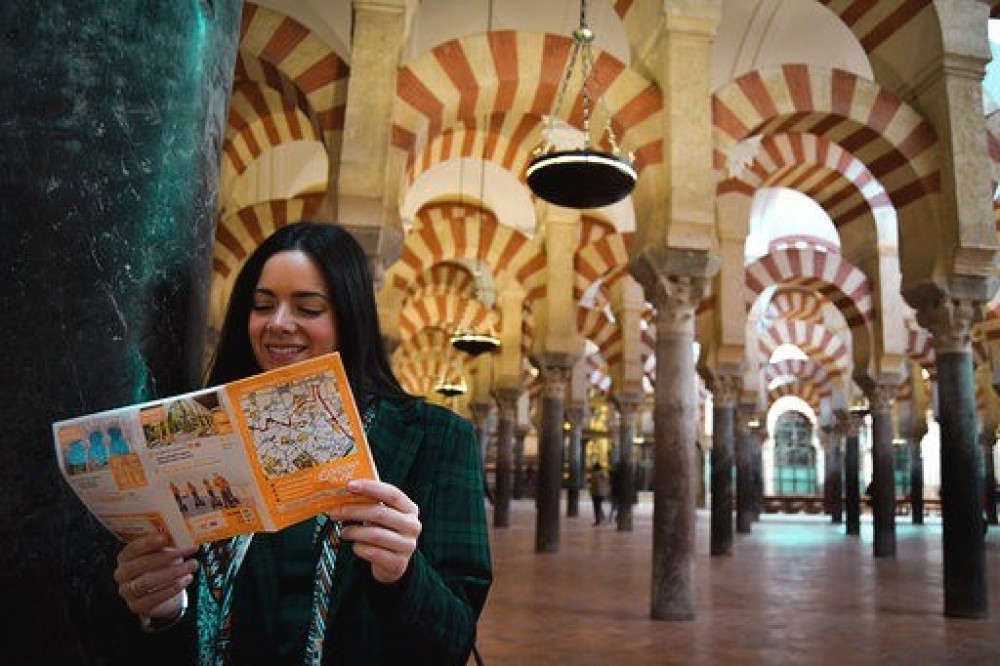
795	591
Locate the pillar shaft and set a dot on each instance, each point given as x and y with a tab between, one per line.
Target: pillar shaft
744	471
883	478
506	424
550	458
725	391
675	419
852	468
836	478
916	483
574	461
966	593
113	117
625	464
989	476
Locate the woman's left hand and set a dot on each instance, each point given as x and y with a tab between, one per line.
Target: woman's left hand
386	535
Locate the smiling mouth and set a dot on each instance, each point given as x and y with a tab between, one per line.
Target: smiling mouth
284	351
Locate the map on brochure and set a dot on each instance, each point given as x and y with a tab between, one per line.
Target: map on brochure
253	455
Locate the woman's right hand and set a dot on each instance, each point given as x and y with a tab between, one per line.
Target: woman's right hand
151	575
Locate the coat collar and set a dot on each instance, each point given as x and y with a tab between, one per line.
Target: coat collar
394	438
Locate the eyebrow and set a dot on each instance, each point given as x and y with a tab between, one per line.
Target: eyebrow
295	294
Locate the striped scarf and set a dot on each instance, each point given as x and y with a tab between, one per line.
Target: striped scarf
221	561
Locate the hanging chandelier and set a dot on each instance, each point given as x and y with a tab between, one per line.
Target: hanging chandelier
471	342
451	383
450	389
584	177
474	344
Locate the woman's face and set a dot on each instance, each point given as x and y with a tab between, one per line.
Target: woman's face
292	317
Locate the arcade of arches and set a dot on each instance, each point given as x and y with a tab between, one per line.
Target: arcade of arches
796	308
799	295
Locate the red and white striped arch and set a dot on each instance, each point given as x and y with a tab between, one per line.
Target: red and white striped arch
897	146
818	342
596	260
805	370
598	372
839	182
239	234
277	52
499	138
886	25
421	361
260	119
594	325
886	28
452	211
510	254
805	379
811	394
446	311
844	285
508	75
794	303
920	348
443	279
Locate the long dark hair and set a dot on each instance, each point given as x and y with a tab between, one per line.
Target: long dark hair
344	266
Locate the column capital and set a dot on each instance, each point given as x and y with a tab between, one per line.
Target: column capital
950	322
627	402
726	388
881	396
554	378
506	394
855	417
480	411
675	281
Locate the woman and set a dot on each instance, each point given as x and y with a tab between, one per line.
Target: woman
403	578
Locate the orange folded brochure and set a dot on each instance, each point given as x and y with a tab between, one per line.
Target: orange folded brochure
253	455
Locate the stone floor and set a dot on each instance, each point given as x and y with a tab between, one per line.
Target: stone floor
795	591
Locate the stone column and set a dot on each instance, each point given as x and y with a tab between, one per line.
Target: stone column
726	389
966	593
550	450
674	420
575	460
744	469
823	434
852	467
358	180
517	489
989	475
916	482
506	423
756	436
481	421
624	462
112	127
835	477
883	496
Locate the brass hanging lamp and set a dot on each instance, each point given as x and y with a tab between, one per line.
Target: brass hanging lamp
584	177
450	384
471	342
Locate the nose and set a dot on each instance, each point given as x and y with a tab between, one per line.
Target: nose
282	320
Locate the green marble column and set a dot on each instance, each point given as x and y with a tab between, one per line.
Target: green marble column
112	118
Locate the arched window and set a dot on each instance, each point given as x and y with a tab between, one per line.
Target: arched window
794	455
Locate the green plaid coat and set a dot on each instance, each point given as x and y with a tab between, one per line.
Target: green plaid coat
432	455
430	616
